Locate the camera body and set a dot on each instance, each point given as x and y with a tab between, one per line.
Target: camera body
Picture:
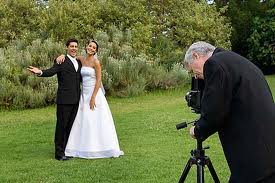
193	97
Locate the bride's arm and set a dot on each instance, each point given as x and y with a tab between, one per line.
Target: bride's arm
97	84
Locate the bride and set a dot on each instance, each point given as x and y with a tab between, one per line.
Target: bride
93	133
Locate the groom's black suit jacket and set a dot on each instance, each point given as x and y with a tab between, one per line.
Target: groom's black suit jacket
68	81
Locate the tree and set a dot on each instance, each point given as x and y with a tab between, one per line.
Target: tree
261	43
18	20
177	24
241	14
188	21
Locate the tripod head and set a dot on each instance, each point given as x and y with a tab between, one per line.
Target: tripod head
200	149
198	158
184	124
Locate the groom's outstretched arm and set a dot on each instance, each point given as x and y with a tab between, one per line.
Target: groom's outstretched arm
45	73
51	71
34	70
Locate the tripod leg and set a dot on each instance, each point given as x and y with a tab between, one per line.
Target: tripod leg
200	173
186	170
212	171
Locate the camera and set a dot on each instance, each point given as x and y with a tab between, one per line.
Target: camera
193	97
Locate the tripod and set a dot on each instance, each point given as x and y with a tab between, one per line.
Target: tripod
199	158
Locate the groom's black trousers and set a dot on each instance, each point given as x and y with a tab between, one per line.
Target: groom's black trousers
65	117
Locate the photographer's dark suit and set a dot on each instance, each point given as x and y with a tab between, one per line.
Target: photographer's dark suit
238	104
68	95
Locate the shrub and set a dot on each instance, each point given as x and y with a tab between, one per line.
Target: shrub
19	88
127	72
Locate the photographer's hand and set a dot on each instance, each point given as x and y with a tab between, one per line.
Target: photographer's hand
192	132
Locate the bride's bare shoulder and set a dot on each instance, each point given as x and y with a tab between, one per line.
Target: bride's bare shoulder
96	61
81	58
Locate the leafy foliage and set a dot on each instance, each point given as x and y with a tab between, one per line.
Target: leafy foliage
262	40
177	24
20	89
18	20
127	72
241	15
183	22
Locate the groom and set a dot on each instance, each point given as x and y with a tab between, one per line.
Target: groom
68	94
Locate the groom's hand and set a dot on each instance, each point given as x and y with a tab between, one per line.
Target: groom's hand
34	70
60	59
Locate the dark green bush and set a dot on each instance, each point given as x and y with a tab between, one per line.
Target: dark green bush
261	43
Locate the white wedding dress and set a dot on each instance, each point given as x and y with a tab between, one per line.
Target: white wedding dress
93	133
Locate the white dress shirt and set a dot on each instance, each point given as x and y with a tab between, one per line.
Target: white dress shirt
74	61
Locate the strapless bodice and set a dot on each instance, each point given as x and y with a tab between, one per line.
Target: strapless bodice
88	76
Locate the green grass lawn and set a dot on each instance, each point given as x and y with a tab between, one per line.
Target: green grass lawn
154	150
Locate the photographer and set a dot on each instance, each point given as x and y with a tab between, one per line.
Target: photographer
238	104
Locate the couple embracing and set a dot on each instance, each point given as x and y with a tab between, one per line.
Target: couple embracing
85	126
